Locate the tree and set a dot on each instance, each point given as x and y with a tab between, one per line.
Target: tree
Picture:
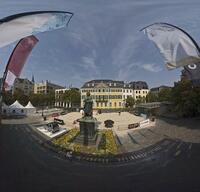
152	97
8	98
186	98
130	102
75	96
140	100
165	95
19	95
72	96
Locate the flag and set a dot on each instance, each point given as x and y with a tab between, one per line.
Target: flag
177	46
18	59
16	27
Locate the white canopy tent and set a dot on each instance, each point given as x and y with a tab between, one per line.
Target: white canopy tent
4	108
16	109
30	109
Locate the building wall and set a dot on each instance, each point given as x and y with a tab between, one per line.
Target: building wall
156	90
140	93
58	97
24	85
104	98
45	87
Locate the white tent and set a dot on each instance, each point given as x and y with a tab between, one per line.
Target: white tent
16	109
29	108
4	108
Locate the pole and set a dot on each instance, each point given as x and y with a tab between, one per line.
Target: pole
2	91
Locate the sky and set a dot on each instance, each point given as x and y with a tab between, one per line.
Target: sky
103	40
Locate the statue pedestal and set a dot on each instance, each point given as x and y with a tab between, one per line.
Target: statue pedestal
88	131
88	126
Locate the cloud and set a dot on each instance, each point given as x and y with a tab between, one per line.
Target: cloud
102	39
151	67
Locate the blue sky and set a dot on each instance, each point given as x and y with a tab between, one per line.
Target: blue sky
103	40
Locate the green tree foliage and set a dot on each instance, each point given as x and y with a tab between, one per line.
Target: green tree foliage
152	97
130	102
72	96
186	98
43	99
75	96
165	94
8	98
19	95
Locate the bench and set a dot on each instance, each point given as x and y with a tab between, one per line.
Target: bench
134	125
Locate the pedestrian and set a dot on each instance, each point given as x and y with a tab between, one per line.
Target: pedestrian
119	112
69	155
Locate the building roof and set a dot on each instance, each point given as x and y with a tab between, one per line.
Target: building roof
159	88
22	80
45	83
103	83
139	85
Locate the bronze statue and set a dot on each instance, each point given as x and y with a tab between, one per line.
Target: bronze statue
88	104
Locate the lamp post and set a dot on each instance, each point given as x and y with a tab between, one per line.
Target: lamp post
42	110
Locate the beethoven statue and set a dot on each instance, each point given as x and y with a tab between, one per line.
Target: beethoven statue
88	103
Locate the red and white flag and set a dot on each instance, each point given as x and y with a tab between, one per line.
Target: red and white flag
18	59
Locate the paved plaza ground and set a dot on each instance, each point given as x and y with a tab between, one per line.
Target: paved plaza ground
187	130
120	121
137	139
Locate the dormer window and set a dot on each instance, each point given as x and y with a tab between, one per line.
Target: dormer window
110	84
115	84
88	84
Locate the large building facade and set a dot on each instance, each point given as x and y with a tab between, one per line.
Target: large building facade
46	87
23	85
59	101
110	94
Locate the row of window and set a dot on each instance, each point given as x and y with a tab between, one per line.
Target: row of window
137	97
112	90
41	87
110	84
103	97
100	104
127	91
102	90
144	92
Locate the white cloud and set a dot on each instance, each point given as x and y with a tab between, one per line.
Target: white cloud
151	67
88	62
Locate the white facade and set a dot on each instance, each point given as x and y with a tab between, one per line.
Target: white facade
140	93
127	92
59	102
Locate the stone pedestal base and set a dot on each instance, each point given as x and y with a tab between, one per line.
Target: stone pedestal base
88	130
